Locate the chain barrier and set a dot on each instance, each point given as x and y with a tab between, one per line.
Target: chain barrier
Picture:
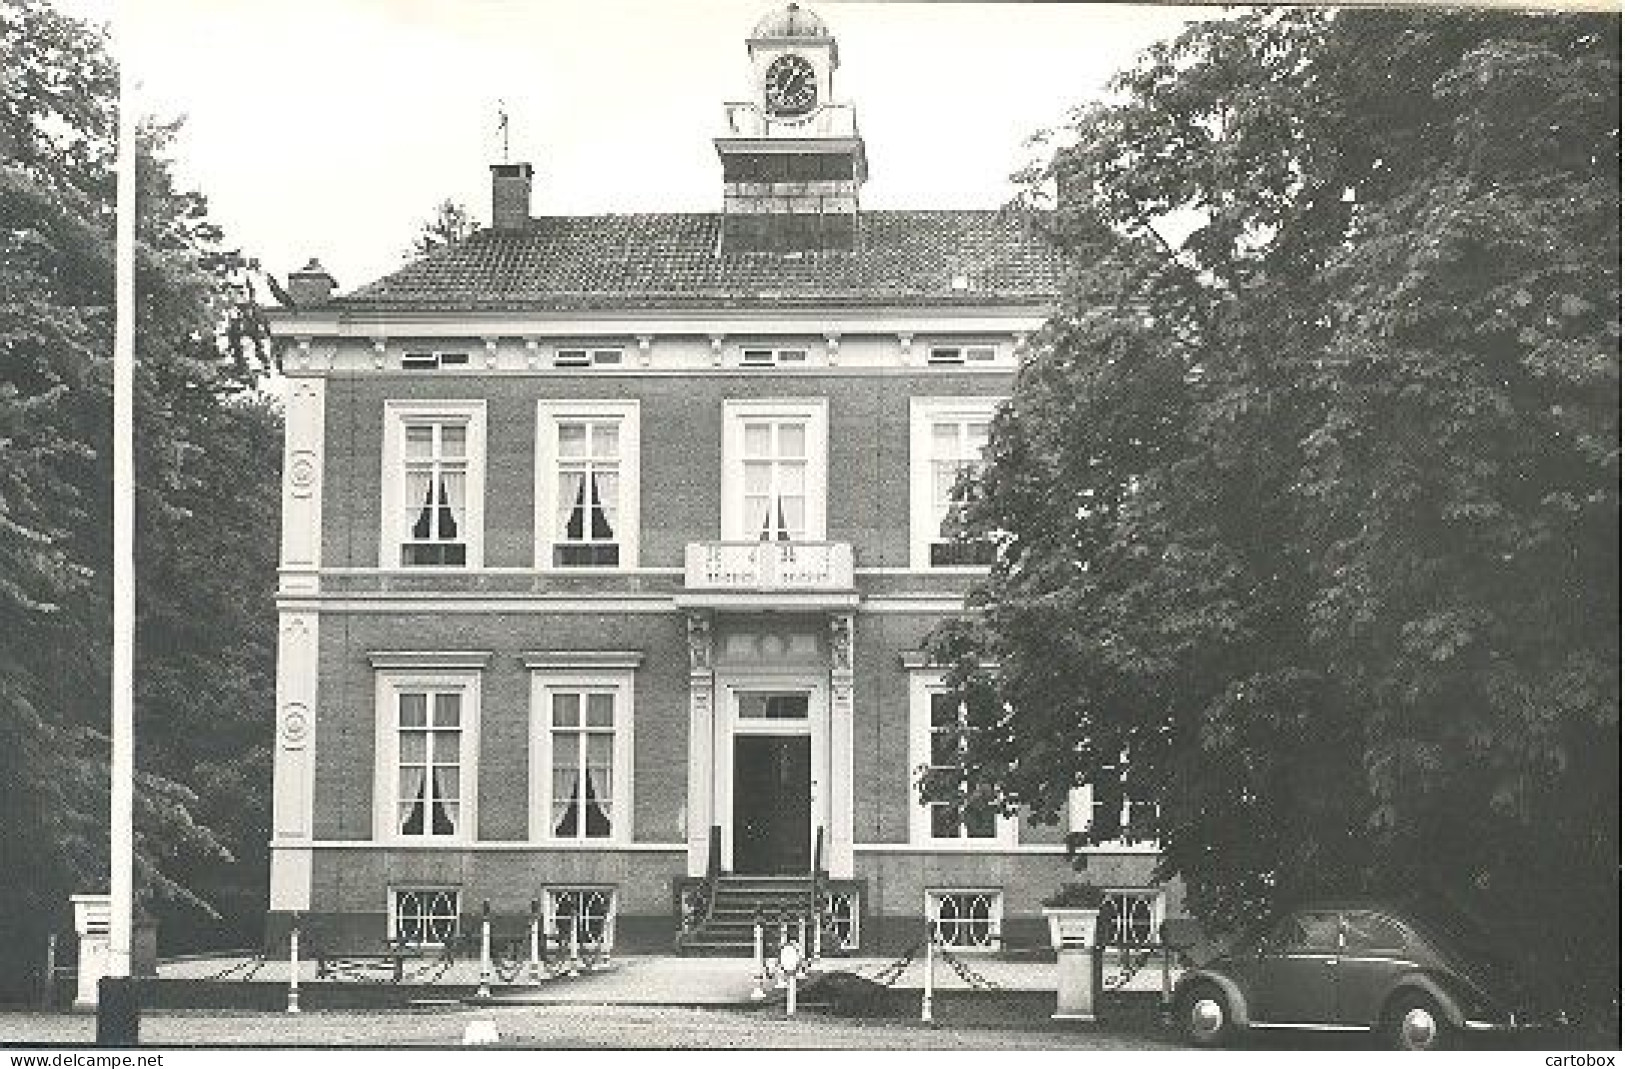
1129	969
889	975
976	980
251	965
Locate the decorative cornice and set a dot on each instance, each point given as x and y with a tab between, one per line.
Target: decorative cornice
429	659
553	660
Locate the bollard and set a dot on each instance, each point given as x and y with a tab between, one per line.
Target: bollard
784	938
293	966
48	991
485	951
818	938
930	976
535	942
757	993
801	935
575	946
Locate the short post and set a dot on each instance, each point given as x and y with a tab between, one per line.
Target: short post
818	937
784	939
1167	984
48	990
790	962
757	993
293	966
535	941
575	945
926	997
485	951
801	934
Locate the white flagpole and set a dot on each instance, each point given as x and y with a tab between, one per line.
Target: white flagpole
121	831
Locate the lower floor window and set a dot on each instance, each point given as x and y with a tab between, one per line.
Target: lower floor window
425	916
1131	918
580	917
965	919
841	919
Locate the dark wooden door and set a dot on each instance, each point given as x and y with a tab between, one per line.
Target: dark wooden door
772	804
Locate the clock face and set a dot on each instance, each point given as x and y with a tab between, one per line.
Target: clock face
792	86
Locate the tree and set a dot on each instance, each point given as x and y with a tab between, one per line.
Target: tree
450	224
195	361
1309	517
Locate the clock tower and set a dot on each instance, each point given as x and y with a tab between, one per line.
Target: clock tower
792	158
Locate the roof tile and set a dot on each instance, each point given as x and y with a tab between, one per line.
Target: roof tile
675	259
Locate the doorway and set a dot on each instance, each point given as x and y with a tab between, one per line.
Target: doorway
772	792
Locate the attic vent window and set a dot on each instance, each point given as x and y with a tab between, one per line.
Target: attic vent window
958	355
771	357
586	357
960	282
431	361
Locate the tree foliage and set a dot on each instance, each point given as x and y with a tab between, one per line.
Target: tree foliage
206	476
1308	500
451	223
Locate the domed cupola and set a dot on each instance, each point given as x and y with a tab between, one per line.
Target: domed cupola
793	22
792	157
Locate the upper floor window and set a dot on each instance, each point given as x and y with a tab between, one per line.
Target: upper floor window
587	500
959	355
587	357
433	484
939	738
769	357
773	470
427	361
427	746
948	440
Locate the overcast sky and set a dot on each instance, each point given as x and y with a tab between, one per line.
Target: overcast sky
331	128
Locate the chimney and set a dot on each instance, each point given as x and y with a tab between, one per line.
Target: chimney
510	195
311	285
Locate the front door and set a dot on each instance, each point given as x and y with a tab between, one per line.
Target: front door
772	804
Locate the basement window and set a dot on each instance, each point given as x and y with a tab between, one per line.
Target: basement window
966	920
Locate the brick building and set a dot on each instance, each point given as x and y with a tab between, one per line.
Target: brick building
609	544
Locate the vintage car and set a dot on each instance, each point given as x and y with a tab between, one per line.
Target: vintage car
1421	979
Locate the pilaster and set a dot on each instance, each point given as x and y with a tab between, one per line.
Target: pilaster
701	736
842	637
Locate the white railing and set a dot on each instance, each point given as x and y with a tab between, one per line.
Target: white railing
768	566
831	120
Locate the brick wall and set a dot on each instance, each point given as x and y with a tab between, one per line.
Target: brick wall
681	454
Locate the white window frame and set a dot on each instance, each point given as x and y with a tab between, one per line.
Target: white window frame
922	684
923	523
1080	813
814	411
933	902
390	682
777	356
549	414
397	414
987	353
545	682
392	907
587	356
1159	907
550	914
433	360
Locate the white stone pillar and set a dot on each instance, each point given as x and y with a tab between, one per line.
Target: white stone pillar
93	920
292	796
702	769
842	643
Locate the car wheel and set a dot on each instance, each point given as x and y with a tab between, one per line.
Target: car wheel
1203	1015
1417	1023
